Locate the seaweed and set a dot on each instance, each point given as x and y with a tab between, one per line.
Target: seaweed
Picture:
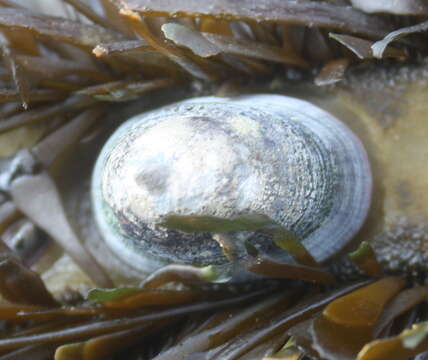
57	69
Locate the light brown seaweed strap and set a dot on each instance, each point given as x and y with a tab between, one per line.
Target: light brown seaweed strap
310	13
172	52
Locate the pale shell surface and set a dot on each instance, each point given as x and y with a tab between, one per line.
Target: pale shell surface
261	154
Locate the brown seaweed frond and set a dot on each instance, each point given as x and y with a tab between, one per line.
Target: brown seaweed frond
55	70
132	42
214	324
238	321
